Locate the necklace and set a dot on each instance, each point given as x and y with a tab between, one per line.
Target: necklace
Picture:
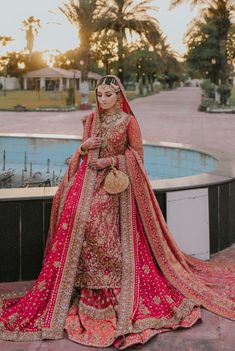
110	117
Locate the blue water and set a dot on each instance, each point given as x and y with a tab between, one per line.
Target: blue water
48	156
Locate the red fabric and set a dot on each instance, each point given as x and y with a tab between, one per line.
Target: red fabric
92	319
24	313
161	287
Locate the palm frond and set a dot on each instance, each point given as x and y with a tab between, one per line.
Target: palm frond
193	3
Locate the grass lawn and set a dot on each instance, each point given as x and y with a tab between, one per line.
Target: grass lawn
34	99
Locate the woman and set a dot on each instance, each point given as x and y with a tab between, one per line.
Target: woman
112	274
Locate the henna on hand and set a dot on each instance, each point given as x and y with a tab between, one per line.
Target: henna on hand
91	143
100	163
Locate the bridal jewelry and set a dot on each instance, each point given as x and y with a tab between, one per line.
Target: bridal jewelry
109	117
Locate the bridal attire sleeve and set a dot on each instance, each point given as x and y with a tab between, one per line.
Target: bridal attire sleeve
134	137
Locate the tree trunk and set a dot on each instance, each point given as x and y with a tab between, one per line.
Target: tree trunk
223	62
120	36
29	40
84	64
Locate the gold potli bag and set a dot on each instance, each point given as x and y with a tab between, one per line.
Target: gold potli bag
115	181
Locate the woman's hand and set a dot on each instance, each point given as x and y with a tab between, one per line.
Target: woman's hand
91	143
100	163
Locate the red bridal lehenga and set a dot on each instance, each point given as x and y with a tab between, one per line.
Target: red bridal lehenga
112	273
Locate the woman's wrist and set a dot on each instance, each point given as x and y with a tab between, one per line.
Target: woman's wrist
113	161
82	150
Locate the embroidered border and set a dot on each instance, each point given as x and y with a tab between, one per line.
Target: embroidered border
125	307
95	313
68	272
180	270
178	313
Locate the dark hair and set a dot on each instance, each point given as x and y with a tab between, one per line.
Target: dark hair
108	80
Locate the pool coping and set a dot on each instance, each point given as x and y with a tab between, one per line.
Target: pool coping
224	172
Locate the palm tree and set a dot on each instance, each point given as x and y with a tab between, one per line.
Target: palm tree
167	56
221	14
30	26
4	41
85	16
127	16
101	52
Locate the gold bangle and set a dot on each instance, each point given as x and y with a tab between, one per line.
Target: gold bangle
112	163
82	152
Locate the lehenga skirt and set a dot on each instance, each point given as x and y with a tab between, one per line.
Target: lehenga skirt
93	315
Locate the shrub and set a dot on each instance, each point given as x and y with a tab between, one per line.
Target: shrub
225	91
205	104
209	88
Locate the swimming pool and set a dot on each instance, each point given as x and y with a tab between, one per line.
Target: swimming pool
27	155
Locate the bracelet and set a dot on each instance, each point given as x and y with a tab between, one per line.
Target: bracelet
82	152
112	162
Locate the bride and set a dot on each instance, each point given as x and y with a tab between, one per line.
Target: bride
112	273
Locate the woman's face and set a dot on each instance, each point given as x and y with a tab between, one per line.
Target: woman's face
106	97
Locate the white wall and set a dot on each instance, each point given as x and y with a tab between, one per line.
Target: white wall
12	83
188	220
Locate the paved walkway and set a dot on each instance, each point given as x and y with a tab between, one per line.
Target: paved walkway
169	116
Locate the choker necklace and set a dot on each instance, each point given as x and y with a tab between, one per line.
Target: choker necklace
110	117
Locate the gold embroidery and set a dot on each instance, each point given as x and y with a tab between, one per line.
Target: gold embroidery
180	312
125	307
56	264
95	313
100	263
65	226
157	300
54	246
13	318
63	295
42	285
146	269
143	309
169	299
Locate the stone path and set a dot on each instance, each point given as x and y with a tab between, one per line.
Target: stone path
169	116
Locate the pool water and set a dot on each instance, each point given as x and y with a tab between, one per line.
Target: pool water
48	155
167	162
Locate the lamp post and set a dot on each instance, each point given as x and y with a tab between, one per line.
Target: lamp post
138	72
213	62
214	75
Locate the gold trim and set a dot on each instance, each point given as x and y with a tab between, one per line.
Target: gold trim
95	313
69	271
179	313
125	307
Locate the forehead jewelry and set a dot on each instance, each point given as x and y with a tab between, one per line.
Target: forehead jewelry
112	85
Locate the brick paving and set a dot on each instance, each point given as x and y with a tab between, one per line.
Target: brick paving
169	116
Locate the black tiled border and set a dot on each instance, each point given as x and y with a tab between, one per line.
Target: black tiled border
24	225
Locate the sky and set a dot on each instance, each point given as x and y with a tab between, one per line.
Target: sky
58	33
